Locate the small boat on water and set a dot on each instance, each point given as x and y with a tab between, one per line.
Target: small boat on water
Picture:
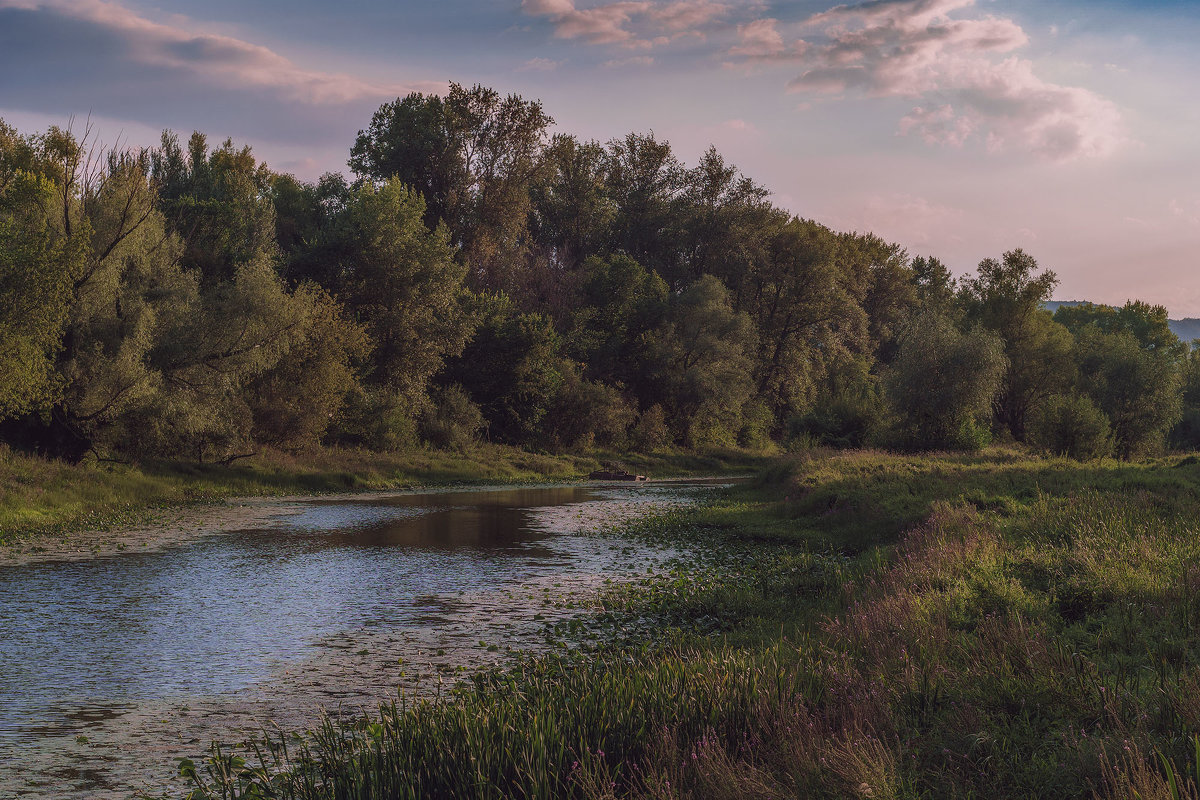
614	475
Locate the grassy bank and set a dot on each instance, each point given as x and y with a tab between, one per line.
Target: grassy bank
855	625
45	496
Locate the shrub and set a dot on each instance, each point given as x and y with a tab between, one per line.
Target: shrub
942	384
451	421
650	432
1071	425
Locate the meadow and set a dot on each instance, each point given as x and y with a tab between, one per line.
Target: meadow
857	624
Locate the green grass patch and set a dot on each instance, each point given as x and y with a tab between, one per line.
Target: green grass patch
45	496
849	625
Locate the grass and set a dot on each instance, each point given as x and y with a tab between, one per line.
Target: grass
851	625
39	495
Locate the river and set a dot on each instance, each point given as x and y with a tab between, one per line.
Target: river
115	667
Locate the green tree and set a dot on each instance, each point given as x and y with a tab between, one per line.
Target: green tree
38	265
703	353
219	202
513	369
1137	388
1144	322
401	281
1006	297
943	382
644	181
620	304
806	311
572	212
295	401
1071	425
473	156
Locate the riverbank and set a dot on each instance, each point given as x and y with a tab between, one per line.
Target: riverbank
79	508
119	667
857	625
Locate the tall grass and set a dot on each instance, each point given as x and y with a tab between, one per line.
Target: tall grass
853	625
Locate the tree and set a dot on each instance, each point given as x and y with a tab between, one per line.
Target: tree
1006	297
38	265
572	212
1144	322
473	156
513	369
219	202
1071	425
703	356
942	384
1138	389
806	313
294	402
644	182
621	303
725	221
401	281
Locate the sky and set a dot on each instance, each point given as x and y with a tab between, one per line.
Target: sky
957	128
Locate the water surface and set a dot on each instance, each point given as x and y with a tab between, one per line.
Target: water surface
233	616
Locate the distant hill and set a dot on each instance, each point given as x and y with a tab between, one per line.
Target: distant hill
1186	329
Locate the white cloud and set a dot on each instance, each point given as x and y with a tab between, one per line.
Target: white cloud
962	71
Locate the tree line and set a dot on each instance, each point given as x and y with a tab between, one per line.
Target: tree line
482	277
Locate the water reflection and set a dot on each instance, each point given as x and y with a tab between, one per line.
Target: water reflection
222	613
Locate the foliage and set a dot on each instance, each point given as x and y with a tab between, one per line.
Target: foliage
1005	297
702	355
513	369
451	421
188	301
1071	425
37	267
1137	388
473	156
942	384
404	285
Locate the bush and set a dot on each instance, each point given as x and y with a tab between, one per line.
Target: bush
844	420
589	413
376	419
942	385
1071	425
650	432
757	421
451	421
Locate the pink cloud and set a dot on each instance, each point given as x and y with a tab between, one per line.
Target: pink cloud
630	23
961	69
539	65
222	60
760	40
687	15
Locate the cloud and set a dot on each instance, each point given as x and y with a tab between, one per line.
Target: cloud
760	40
539	65
69	56
630	23
632	61
962	70
899	216
687	15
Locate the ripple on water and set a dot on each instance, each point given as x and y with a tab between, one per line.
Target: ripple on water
115	665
